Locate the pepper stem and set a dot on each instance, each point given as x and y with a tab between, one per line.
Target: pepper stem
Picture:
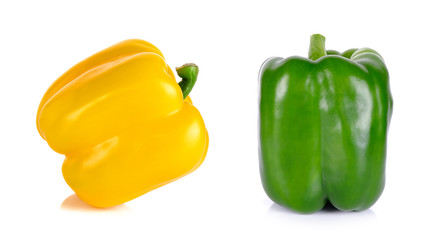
317	47
189	73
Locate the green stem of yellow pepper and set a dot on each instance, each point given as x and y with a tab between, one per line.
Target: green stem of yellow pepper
189	73
316	47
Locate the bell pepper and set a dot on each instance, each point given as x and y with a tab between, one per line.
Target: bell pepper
323	126
121	120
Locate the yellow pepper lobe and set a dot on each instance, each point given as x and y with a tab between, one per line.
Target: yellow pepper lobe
120	119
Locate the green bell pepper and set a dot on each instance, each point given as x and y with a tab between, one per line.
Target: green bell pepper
323	126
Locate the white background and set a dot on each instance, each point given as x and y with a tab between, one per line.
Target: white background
229	40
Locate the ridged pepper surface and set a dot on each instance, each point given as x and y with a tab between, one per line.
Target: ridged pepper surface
323	126
121	120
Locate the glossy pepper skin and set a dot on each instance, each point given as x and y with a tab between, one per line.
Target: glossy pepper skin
120	118
323	126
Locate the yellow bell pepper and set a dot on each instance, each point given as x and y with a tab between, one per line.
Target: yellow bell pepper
121	120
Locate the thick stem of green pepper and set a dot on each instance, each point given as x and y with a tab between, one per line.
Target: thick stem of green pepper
316	47
189	73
